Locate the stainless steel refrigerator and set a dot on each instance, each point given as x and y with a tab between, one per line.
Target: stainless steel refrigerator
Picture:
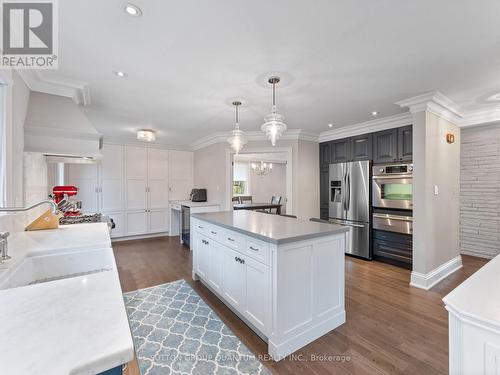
350	204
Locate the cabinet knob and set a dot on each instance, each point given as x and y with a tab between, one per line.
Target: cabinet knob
242	261
230	239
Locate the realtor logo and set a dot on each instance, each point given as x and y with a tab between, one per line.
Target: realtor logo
29	34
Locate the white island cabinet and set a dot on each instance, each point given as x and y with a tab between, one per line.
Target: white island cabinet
474	323
284	277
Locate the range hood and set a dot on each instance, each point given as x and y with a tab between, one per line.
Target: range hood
56	127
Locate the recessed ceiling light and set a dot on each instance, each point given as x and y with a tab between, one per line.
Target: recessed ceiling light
375	113
330	125
120	74
133	10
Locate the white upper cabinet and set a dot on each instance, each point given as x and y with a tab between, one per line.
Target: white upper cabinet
84	176
180	174
112	170
157	178
136	177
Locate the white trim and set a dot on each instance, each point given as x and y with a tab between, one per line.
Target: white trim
371	126
428	280
132	141
76	90
290	203
140	237
289	135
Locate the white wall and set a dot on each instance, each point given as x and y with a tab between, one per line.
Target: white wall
209	167
480	191
436	217
262	188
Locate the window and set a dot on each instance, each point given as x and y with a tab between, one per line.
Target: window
240	179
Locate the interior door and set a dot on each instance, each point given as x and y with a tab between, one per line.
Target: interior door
358	191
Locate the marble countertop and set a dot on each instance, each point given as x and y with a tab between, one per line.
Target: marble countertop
194	204
271	228
477	297
76	325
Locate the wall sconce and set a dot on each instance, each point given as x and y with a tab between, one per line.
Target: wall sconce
450	138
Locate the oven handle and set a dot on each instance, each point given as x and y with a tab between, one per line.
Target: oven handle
396	176
393	217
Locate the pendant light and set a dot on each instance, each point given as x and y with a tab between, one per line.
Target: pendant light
237	139
274	127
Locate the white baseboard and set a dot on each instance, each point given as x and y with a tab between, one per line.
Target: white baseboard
140	237
428	280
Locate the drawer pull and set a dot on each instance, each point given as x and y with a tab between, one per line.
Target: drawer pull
230	239
213	232
200	227
253	248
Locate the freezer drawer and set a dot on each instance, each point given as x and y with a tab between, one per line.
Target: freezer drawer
357	239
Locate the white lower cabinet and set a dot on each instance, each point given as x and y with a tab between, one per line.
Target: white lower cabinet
137	222
233	278
241	281
118	219
158	221
257	288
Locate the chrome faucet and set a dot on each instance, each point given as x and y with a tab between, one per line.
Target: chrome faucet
4	246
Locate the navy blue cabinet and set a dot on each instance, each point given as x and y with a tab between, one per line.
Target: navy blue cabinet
361	147
340	151
114	371
385	146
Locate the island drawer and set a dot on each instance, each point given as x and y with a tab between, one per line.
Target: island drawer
258	250
201	227
233	240
214	232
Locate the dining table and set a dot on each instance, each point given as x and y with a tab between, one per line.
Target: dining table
258	206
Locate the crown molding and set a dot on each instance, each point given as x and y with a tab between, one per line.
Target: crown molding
371	126
434	102
76	90
131	141
59	133
442	106
252	136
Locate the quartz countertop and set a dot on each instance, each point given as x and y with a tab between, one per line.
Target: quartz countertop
73	326
477	297
271	228
194	204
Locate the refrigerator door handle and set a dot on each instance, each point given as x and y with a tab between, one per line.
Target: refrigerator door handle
341	222
348	204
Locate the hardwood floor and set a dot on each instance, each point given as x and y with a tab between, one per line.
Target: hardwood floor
391	328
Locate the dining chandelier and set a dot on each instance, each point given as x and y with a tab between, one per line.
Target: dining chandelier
237	139
262	169
274	125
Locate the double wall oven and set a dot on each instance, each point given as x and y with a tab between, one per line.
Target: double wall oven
392	195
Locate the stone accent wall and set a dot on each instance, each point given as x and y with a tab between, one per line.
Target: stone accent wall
480	191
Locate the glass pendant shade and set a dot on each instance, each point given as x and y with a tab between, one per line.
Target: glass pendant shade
262	169
237	139
274	125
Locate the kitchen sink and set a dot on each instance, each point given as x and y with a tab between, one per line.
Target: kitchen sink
52	267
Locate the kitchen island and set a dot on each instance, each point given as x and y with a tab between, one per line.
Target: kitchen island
282	276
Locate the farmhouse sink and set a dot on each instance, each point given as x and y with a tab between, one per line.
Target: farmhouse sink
52	267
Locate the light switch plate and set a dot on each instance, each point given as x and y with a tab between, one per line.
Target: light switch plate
436	190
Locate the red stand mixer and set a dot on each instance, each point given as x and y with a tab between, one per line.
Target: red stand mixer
62	194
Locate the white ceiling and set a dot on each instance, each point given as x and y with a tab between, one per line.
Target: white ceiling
339	60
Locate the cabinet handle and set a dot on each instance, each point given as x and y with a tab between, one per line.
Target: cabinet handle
236	258
230	239
242	261
253	248
200	227
213	232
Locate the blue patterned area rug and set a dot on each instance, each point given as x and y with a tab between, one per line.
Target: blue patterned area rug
175	332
